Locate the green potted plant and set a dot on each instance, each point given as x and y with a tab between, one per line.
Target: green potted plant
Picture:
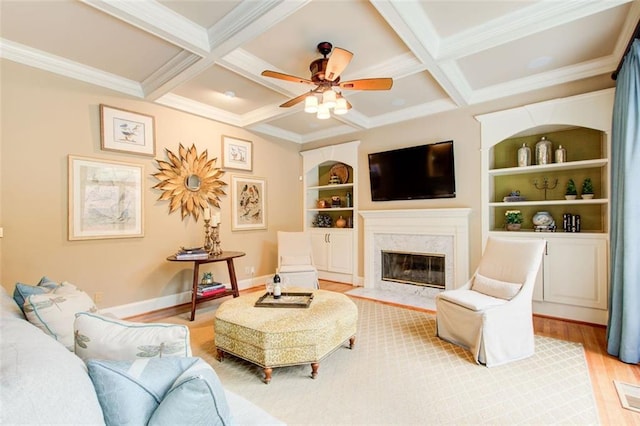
513	220
587	189
572	191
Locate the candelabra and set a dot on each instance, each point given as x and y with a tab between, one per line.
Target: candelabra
216	250
208	241
545	185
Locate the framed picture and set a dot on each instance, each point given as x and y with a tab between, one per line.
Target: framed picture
237	154
105	199
126	131
248	203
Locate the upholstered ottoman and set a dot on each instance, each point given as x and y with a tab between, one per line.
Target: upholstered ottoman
278	337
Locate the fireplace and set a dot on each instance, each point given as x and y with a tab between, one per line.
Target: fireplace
423	269
441	233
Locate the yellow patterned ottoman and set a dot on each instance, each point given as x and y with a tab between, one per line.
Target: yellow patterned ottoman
278	337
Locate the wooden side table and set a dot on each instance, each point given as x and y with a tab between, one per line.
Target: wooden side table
227	256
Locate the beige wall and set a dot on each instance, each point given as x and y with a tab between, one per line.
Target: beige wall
45	117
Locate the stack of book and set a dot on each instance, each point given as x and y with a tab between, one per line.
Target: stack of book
192	254
571	222
205	290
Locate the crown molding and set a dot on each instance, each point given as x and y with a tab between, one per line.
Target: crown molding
38	59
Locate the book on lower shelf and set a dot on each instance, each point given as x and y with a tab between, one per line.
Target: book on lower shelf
211	292
192	254
210	286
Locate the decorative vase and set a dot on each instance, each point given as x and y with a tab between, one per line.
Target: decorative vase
341	222
587	196
570	197
524	156
513	226
561	154
543	221
543	151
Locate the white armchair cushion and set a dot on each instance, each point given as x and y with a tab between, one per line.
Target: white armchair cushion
495	288
100	337
54	312
296	268
295	260
471	299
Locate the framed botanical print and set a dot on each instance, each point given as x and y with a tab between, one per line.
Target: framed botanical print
237	154
248	203
126	131
105	199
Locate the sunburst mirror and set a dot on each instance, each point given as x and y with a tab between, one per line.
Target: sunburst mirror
189	181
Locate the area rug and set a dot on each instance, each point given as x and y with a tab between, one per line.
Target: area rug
400	373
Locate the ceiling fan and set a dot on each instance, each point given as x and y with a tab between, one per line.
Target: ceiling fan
325	75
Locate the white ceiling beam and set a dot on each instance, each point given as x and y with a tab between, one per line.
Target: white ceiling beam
538	17
408	20
546	79
158	20
245	22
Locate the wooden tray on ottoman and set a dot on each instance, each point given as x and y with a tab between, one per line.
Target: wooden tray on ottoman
288	300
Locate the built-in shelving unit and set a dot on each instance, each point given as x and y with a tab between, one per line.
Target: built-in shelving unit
334	247
573	280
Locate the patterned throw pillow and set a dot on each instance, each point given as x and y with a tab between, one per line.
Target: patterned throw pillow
54	312
159	391
101	337
22	291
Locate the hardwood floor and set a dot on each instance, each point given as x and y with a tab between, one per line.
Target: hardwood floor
603	368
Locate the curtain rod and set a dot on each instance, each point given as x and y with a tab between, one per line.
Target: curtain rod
636	34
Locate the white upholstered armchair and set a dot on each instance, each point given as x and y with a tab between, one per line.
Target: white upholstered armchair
295	260
491	315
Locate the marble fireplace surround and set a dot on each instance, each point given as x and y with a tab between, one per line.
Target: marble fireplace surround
443	231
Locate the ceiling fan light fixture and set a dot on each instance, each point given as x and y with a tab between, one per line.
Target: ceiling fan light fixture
329	98
311	103
323	112
341	106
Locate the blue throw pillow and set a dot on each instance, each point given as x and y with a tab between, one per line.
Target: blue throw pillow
22	291
159	391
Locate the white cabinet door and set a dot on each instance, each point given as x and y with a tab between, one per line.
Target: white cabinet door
319	248
575	272
340	252
332	250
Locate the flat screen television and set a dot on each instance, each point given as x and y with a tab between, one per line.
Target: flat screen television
418	172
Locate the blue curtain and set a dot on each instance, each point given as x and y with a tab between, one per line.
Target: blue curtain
623	330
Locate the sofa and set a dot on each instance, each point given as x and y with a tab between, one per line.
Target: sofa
43	382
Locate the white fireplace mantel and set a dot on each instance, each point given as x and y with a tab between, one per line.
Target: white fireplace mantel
452	222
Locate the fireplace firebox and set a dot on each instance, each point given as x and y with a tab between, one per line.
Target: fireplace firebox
423	269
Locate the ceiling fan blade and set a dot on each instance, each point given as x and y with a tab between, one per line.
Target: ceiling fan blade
296	100
368	84
338	61
286	77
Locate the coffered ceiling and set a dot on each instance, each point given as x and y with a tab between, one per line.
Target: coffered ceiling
441	55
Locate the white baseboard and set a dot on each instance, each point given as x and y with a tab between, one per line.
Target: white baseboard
150	305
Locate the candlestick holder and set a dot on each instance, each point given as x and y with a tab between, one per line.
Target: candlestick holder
545	185
208	241
216	249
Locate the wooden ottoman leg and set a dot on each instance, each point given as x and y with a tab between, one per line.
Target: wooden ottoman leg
352	342
267	374
314	369
220	354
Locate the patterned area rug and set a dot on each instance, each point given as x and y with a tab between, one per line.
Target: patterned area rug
400	373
